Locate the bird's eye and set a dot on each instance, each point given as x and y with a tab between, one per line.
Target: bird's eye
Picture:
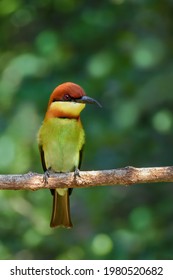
67	97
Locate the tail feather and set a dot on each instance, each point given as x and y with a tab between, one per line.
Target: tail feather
61	210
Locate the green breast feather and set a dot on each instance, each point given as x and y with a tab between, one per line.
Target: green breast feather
62	140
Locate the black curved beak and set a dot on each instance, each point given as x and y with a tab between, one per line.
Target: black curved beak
88	100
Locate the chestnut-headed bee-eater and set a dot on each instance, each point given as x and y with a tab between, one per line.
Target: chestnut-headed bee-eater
61	139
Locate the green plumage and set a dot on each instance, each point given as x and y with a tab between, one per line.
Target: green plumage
61	141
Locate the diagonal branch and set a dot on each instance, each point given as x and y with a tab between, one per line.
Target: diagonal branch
122	176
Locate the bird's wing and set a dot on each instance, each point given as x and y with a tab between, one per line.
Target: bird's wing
42	158
80	157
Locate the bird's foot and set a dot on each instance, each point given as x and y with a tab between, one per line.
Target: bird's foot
46	175
76	172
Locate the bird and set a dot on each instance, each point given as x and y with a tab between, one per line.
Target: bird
61	140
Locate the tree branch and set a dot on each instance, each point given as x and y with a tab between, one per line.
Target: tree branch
122	176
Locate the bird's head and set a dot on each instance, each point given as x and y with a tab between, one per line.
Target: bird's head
68	100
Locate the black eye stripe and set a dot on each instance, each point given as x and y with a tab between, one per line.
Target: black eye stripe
67	97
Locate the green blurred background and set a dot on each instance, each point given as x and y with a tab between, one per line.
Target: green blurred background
120	52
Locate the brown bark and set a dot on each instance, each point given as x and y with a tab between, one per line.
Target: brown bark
122	176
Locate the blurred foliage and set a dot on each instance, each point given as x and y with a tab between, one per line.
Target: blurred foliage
120	52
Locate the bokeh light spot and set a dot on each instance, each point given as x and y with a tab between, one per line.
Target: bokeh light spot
126	115
141	218
24	65
46	42
32	238
74	253
100	65
7	7
22	17
162	121
102	244
148	53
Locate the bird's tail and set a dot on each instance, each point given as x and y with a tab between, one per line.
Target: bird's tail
61	210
